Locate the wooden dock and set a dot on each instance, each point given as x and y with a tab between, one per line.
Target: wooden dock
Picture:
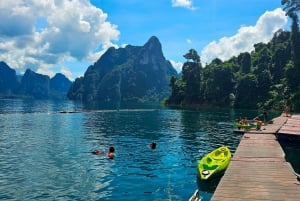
258	170
291	127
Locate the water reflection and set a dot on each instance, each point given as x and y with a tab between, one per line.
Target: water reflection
46	155
292	152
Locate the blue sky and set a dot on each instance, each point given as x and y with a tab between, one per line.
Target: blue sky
68	36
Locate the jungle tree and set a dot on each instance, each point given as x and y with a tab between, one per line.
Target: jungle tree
191	75
291	8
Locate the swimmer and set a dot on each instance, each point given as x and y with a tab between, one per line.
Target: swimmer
152	145
111	152
97	152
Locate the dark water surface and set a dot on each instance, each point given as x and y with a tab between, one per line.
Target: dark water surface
46	155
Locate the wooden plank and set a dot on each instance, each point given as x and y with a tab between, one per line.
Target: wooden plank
259	136
292	120
261	159
257	181
259	148
258	170
295	116
291	127
289	131
270	128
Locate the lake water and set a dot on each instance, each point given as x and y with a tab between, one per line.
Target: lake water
46	155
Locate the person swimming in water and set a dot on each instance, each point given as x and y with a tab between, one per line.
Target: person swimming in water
111	152
152	145
97	152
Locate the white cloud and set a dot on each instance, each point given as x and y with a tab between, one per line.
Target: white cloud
189	41
42	34
67	72
177	65
183	3
246	37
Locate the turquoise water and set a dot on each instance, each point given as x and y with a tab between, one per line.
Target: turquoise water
292	152
46	155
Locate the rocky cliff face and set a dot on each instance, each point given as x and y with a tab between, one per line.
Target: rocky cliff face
130	74
8	80
32	84
59	86
35	85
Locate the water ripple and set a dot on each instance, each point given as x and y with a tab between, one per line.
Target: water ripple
46	155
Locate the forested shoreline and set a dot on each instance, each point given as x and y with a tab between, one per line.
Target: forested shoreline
266	78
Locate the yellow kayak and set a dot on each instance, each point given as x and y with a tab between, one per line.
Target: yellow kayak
214	163
242	126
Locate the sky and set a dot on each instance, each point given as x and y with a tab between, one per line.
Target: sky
67	36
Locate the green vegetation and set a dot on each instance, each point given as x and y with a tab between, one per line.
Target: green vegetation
125	75
266	78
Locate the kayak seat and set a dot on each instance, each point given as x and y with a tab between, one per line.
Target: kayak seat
209	167
209	160
220	155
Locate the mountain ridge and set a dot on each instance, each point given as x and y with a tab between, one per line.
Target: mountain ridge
130	74
31	84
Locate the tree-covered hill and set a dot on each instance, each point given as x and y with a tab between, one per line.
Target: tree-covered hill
130	74
266	78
